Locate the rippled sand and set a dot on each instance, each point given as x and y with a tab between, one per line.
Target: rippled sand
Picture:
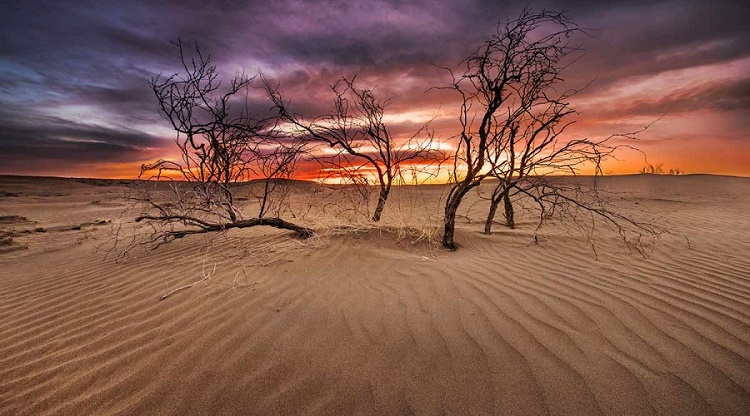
365	322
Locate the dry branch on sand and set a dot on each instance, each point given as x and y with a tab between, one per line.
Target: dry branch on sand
208	227
206	276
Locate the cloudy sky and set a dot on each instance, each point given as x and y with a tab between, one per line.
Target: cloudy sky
74	99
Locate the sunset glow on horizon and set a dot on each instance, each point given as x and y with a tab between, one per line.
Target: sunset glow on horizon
75	101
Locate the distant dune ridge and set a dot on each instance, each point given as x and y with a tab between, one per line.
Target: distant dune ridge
377	320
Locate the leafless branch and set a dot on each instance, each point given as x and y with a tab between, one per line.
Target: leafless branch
363	146
222	147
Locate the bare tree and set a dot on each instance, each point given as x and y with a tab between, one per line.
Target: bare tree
498	86
535	149
513	117
358	133
221	149
537	122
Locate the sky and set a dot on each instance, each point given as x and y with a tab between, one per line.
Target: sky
74	97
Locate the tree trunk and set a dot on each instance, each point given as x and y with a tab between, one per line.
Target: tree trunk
490	217
450	224
383	197
510	221
497	196
451	207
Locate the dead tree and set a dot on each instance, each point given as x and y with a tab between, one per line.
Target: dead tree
533	145
220	150
357	131
499	78
513	116
535	148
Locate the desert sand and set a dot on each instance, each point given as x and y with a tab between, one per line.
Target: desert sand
375	320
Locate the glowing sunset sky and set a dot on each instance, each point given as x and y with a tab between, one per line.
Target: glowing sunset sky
74	100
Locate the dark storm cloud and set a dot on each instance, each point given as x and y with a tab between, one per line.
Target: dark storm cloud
95	56
34	142
631	40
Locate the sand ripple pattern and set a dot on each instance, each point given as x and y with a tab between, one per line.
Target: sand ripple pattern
360	325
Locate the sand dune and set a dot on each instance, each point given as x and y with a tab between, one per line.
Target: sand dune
360	323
